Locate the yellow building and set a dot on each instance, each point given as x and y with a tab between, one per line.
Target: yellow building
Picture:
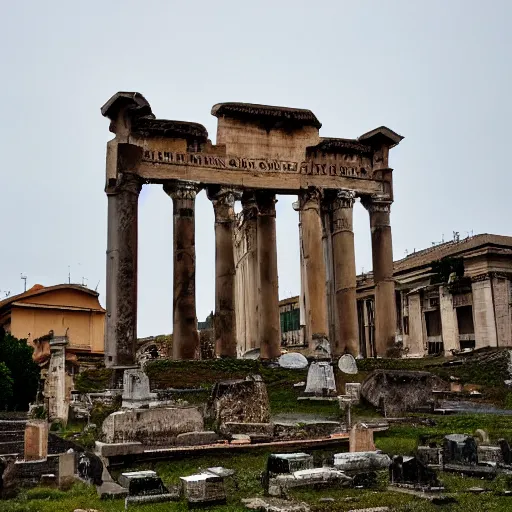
66	309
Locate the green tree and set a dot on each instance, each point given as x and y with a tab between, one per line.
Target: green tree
16	355
6	384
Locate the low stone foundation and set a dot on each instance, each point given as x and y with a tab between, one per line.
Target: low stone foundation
196	438
116	449
251	429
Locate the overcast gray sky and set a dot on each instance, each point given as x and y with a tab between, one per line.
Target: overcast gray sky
438	72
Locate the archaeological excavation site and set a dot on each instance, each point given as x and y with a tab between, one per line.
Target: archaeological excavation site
387	390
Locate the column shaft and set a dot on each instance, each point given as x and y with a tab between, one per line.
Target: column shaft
314	267
121	322
344	274
268	324
185	338
250	227
225	322
382	256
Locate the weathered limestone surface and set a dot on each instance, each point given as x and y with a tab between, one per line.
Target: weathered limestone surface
399	390
344	274
501	289
185	336
58	384
320	379
121	321
156	427
313	267
483	314
361	439
197	438
240	401
36	440
136	392
116	449
450	329
415	340
268	318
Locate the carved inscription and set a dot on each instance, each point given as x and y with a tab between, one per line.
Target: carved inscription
310	167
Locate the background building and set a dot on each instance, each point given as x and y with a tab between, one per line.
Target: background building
452	296
69	310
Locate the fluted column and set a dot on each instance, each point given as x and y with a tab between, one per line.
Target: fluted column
185	338
382	256
268	328
223	202
121	322
344	263
314	266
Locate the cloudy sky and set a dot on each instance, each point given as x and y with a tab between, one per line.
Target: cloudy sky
438	72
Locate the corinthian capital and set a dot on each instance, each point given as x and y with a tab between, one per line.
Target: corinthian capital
181	190
344	199
377	204
126	182
223	201
309	199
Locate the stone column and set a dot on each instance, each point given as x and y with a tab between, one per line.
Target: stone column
344	274
185	338
382	256
483	312
225	323
268	324
314	266
250	227
121	322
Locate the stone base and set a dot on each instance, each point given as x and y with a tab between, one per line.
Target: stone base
196	438
116	449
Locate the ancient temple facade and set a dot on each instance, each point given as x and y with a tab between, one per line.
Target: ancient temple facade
260	151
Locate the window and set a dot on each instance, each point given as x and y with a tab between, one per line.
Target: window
290	320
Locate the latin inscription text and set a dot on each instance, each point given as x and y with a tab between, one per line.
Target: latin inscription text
310	167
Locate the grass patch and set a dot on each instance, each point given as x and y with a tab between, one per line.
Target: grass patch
93	380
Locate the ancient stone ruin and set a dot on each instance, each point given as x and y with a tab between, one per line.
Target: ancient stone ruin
261	151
